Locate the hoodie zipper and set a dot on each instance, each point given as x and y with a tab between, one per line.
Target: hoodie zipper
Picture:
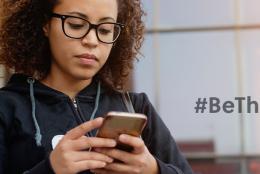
77	112
75	103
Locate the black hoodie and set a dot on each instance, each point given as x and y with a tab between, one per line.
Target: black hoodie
44	113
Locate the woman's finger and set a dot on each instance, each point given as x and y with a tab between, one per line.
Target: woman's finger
91	142
136	142
120	155
85	155
82	129
88	165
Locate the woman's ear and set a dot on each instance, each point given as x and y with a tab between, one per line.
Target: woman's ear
46	29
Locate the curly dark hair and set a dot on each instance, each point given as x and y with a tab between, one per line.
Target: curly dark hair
25	49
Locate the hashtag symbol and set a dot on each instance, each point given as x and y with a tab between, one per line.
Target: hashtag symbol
200	105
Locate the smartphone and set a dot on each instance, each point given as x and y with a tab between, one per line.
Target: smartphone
117	123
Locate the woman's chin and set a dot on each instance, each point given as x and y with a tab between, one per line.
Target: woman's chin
84	76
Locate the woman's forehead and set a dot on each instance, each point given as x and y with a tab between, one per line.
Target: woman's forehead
93	9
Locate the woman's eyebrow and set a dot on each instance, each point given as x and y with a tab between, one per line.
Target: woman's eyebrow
107	18
78	14
86	17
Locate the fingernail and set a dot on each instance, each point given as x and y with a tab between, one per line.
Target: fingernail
99	119
110	160
97	149
113	143
122	137
104	164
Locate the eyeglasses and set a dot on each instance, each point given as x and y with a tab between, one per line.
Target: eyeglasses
77	28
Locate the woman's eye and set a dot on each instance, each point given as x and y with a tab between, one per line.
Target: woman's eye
104	31
75	26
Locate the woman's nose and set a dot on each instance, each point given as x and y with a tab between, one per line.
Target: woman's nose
91	38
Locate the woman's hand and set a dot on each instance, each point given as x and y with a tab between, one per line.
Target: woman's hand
140	161
70	155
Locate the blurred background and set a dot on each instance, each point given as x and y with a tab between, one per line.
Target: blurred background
204	48
197	49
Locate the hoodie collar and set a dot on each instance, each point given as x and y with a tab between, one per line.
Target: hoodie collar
18	83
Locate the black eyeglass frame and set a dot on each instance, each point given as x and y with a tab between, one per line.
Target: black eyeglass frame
91	26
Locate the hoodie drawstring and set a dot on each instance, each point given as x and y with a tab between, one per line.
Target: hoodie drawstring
96	102
38	135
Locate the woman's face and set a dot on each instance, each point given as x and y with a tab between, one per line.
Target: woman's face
79	59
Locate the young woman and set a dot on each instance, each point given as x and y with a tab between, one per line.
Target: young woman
70	60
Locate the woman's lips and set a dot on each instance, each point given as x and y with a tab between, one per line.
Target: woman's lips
87	59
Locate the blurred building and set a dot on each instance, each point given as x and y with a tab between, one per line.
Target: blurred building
201	49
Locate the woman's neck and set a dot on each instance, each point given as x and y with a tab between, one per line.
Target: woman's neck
66	85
